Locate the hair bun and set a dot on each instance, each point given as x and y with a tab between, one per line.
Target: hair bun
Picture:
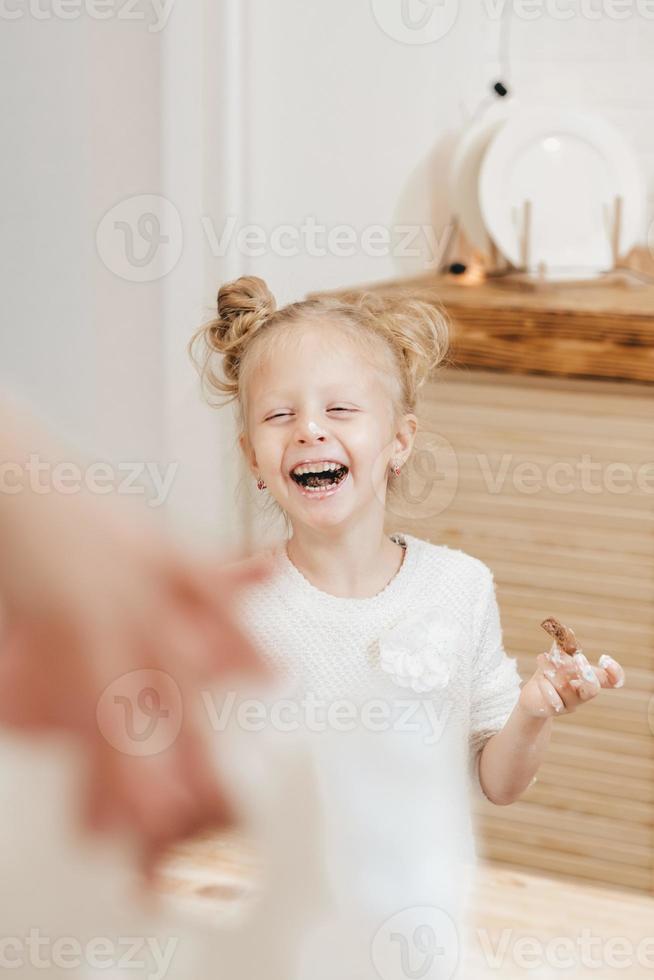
243	304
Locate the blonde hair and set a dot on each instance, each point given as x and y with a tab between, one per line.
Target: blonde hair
404	338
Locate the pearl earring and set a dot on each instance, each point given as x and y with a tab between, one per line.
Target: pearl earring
260	484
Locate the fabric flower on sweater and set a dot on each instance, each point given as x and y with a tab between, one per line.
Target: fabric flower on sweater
419	653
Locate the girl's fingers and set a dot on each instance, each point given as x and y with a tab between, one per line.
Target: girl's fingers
565	681
590	679
558	657
548	669
585	669
582	675
615	672
583	689
550	694
558	677
575	681
562	663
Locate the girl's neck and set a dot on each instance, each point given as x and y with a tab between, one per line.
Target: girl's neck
354	564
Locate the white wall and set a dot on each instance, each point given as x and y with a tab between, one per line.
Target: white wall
80	131
95	113
254	113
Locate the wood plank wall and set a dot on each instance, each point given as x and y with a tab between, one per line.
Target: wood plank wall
586	556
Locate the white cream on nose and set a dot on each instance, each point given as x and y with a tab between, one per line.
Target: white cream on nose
315	430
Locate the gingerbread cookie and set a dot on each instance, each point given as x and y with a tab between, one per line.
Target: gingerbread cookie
565	638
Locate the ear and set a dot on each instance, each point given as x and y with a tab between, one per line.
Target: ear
405	436
248	452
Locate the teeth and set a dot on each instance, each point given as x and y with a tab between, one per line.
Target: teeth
330	486
316	468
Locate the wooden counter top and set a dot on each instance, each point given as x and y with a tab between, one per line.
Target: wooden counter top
214	882
575	330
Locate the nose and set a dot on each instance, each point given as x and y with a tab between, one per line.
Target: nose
309	431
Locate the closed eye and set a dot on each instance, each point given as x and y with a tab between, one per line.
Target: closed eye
282	415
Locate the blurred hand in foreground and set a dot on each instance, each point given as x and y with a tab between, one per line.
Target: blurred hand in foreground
106	624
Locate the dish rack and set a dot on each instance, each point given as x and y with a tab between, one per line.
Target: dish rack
491	264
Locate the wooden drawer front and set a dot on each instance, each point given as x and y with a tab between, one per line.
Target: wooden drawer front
584	554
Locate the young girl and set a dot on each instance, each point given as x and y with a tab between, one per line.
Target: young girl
326	395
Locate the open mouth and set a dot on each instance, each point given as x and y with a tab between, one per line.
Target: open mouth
322	477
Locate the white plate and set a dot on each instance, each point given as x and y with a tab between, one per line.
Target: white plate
571	166
464	170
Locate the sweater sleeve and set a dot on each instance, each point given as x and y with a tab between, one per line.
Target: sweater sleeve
495	681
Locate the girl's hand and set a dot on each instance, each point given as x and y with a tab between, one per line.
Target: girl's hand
562	682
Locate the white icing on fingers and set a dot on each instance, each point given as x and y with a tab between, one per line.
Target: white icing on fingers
613	669
585	670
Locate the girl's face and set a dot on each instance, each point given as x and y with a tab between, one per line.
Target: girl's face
316	399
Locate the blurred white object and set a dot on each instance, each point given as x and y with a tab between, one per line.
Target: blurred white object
351	888
571	166
369	843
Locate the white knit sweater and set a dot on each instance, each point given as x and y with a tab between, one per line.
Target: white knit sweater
429	647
